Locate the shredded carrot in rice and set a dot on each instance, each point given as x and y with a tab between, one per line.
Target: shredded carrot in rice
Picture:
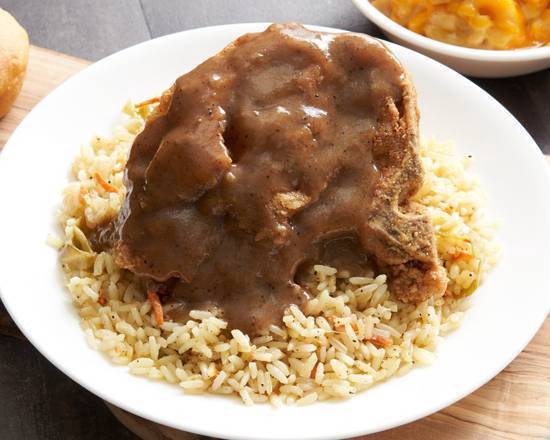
380	341
335	323
313	372
148	102
157	306
106	185
338	326
102	299
462	256
81	194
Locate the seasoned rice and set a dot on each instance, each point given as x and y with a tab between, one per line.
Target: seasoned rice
352	334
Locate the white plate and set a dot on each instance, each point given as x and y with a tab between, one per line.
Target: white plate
507	310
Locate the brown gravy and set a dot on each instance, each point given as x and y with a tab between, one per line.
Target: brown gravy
268	156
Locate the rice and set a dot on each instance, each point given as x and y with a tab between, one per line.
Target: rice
352	333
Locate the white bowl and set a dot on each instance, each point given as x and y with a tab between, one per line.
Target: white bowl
474	62
506	311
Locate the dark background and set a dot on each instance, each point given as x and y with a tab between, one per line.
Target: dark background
38	402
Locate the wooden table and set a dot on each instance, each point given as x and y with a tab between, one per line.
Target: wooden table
514	405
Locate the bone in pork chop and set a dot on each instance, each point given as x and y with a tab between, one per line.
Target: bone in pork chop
261	157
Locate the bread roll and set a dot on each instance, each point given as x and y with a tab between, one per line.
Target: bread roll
14	56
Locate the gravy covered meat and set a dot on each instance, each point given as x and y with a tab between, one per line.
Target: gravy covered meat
286	148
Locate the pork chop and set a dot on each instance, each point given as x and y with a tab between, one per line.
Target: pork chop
261	156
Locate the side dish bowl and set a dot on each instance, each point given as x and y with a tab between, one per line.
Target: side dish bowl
473	62
506	310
